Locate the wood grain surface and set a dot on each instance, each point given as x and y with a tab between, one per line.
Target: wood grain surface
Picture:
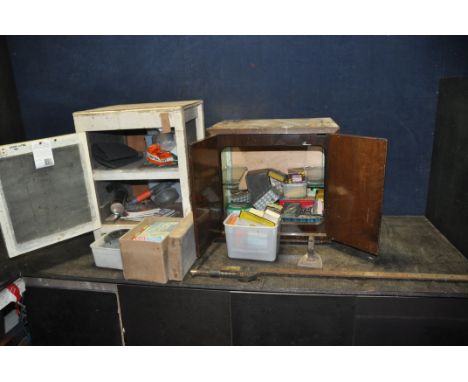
354	190
275	126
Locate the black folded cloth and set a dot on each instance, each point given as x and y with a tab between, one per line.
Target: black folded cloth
113	154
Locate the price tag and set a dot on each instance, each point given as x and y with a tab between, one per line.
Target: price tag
42	152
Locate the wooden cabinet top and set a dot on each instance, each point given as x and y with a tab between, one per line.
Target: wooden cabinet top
154	106
275	126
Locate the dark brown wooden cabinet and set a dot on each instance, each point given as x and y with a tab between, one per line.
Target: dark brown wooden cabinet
354	179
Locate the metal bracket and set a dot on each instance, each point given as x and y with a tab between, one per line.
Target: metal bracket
311	259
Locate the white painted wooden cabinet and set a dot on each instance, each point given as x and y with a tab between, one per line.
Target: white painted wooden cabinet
42	206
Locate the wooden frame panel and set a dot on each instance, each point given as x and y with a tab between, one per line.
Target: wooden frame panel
447	199
14	248
354	188
134	116
206	191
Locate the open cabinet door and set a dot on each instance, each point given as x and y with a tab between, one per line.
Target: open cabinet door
39	205
354	190
206	191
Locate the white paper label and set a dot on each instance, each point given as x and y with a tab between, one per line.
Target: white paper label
42	152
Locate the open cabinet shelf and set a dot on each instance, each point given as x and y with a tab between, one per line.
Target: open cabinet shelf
136	171
136	126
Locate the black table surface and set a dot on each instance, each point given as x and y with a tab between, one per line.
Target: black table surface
408	244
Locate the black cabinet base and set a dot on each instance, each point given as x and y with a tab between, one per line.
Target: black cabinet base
271	319
175	316
163	315
72	317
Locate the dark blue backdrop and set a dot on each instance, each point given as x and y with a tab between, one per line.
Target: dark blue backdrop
375	86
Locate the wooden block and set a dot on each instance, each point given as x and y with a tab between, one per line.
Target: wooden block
137	142
276	126
165	123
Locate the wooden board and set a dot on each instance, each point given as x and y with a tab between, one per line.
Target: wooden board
447	204
137	116
206	192
181	249
311	273
159	106
275	126
354	190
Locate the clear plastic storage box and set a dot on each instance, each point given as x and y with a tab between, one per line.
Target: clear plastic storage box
295	190
106	253
251	243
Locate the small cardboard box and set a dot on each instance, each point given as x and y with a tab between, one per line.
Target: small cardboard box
168	259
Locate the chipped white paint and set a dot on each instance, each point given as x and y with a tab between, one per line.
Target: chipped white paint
133	117
141	117
13	248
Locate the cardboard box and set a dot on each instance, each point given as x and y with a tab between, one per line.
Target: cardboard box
168	259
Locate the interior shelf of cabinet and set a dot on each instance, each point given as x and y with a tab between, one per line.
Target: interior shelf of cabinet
136	171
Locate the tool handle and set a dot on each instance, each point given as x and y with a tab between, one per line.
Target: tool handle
143	196
241	276
147	194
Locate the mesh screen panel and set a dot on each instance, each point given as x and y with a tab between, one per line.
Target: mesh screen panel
45	201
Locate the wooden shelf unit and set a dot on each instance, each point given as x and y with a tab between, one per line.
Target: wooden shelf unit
139	118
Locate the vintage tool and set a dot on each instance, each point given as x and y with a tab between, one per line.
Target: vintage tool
151	191
117	205
230	274
165	196
311	259
144	209
242	275
139	198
